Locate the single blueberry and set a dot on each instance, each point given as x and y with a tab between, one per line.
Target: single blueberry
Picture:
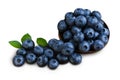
62	58
68	48
87	12
89	33
67	35
92	21
84	46
21	52
96	35
38	50
98	45
75	58
79	11
48	53
99	26
53	64
75	29
51	42
62	26
30	58
96	14
104	38
42	60
28	44
105	31
80	21
18	60
78	37
90	41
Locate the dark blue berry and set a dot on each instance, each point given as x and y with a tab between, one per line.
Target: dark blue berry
90	41
87	12
67	35
96	14
62	26
96	35
92	21
62	58
21	52
30	58
53	64
68	48
38	50
42	60
75	29
104	38
98	45
75	58
79	11
99	26
105	31
84	46
89	33
78	37
48	53
51	42
28	44
18	60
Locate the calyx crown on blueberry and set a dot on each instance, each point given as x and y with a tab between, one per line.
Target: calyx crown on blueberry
81	31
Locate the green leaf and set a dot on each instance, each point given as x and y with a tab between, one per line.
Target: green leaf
25	37
41	42
15	44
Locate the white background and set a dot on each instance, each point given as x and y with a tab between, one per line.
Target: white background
39	18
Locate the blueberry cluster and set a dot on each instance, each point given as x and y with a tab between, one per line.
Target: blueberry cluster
57	52
85	29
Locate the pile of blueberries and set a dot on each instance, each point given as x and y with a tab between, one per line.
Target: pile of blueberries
81	31
85	29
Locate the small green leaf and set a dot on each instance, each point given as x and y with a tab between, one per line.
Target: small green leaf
41	42
15	44
25	37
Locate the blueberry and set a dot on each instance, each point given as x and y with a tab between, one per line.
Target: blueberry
90	41
75	58
104	38
30	58
38	50
96	14
87	12
75	29
78	37
57	47
79	11
69	15
67	35
80	21
51	42
18	60
42	61
105	31
74	43
68	48
99	26
53	64
28	44
89	33
62	58
21	52
62	26
92	21
96	35
84	46
48	53
98	45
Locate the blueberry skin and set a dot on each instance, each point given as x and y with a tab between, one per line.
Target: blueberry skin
90	41
104	38
21	52
69	15
31	58
48	53
57	47
87	12
68	48
53	64
96	35
38	50
96	14
74	43
62	26
92	21
89	33
105	31
51	42
18	60
62	58
79	11
99	26
42	61
67	35
75	59
75	29
78	37
98	45
84	46
80	21
28	44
